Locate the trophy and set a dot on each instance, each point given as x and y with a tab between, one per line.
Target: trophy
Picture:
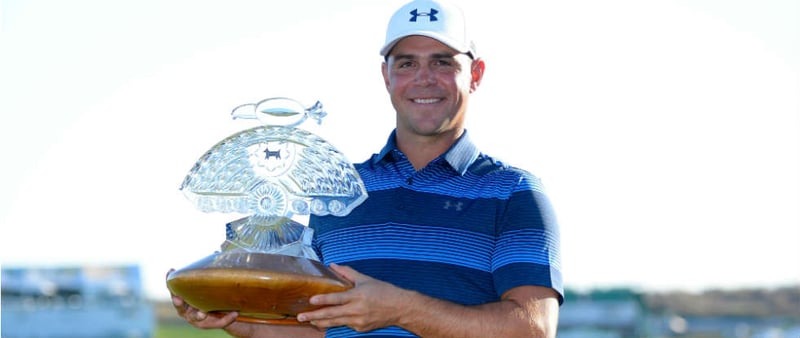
266	268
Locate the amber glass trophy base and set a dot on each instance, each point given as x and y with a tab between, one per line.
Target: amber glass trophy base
263	288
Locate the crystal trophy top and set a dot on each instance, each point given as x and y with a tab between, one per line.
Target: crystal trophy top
271	173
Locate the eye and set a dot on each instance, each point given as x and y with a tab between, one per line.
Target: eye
445	65
443	62
405	64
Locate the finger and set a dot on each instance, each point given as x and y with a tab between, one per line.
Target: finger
199	316
187	311
325	323
178	302
337	298
346	272
225	316
331	322
205	320
180	305
318	315
228	318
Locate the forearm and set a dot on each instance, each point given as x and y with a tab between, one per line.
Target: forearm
430	317
246	330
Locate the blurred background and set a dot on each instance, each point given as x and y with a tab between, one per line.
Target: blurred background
666	133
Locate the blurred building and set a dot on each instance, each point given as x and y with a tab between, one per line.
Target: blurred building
613	313
626	313
75	302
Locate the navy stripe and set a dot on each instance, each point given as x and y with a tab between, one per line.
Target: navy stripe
514	275
453	283
387	206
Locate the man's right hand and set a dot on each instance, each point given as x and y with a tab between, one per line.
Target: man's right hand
200	319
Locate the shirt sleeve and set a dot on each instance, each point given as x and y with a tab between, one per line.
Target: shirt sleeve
527	241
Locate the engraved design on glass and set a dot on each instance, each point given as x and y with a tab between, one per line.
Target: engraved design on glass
272	173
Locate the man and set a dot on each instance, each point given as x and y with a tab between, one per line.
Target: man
450	242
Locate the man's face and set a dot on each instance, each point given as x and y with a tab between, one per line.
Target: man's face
429	84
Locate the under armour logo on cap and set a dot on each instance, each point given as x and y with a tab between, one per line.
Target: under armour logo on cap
437	19
431	15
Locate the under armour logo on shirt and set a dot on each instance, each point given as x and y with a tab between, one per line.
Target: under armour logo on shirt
449	204
431	15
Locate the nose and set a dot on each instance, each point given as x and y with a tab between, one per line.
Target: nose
425	75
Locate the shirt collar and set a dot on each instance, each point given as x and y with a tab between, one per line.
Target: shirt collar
460	155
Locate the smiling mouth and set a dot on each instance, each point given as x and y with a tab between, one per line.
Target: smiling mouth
427	101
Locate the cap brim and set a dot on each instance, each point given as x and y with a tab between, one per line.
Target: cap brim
433	35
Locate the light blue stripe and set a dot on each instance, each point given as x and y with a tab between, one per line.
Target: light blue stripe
527	246
499	184
412	242
337	332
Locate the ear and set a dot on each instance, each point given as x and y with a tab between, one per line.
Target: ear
476	70
385	72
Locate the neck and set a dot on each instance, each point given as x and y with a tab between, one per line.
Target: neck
422	149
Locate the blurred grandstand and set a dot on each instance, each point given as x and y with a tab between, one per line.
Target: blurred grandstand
79	301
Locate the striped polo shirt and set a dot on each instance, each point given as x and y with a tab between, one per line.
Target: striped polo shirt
466	228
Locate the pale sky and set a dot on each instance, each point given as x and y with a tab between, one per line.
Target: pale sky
666	132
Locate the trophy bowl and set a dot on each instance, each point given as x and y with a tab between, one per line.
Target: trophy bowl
264	288
267	269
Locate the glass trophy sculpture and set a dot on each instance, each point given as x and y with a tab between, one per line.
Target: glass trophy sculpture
266	268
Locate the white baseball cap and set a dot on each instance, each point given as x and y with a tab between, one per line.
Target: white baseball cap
435	19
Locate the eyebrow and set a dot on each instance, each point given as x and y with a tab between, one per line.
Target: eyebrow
437	56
